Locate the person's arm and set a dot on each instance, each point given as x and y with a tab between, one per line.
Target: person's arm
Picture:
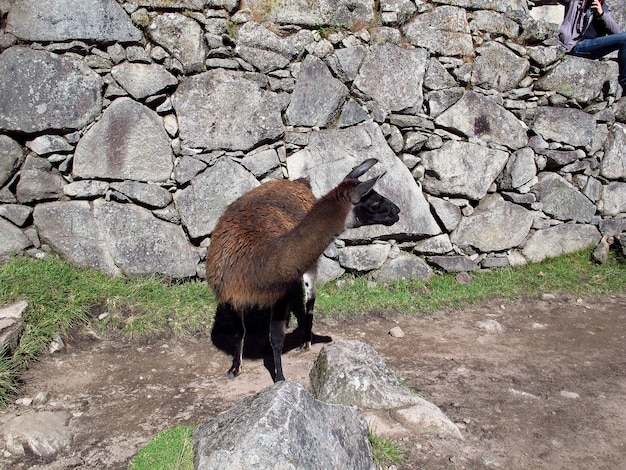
604	17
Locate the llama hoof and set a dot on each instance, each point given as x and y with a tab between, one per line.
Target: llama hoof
233	372
305	347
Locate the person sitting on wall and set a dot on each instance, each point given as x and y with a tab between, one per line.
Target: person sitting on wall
589	30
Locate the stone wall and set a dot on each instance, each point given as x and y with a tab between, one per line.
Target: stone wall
126	128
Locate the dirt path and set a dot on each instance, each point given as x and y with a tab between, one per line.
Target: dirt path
547	392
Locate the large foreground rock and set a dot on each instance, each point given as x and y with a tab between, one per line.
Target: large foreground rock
283	427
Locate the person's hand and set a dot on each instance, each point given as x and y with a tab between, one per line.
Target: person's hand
596	6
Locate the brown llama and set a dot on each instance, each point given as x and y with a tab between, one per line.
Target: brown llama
266	245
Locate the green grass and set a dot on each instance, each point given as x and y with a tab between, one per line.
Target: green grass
168	450
573	274
385	452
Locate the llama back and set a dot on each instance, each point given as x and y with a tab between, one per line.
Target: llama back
241	244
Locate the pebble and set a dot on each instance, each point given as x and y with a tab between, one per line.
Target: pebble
396	332
547	296
567	394
490	325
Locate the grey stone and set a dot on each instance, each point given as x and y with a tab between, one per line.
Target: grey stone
86	189
566	125
149	195
544	55
438	245
317	14
222	109
128	142
141	244
494	23
498	68
481	117
352	373
47	144
363	257
11	157
346	62
453	264
11	325
71	229
12	239
261	163
405	266
612	227
328	270
177	4
256	36
60	20
613	200
576	77
141	80
437	77
520	169
283	427
331	154
613	164
440	100
43	434
187	168
560	240
496	225
16	213
393	76
317	97
39	181
562	200
352	113
182	37
443	31
560	158
263	60
462	169
67	96
205	200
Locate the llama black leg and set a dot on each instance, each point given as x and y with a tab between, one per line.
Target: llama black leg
240	333
308	326
280	311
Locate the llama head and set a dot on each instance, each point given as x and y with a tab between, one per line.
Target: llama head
369	207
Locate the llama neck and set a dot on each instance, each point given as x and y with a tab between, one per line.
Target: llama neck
299	248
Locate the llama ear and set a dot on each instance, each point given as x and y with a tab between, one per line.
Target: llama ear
361	169
362	189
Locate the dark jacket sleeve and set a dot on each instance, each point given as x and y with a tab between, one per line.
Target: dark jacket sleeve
607	22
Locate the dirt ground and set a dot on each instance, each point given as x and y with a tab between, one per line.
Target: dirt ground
547	392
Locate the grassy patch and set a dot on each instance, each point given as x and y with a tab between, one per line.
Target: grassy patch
573	274
62	297
168	450
385	452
